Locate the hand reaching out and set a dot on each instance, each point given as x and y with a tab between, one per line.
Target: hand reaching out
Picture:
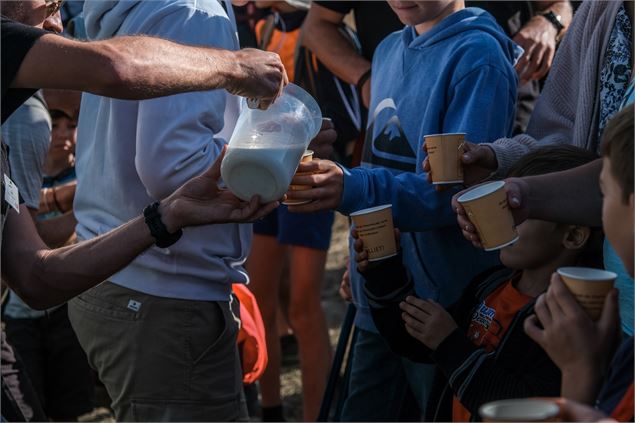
200	202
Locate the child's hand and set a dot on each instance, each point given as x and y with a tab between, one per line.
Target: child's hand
345	287
361	255
580	347
427	321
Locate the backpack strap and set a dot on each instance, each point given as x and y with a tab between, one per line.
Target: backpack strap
267	31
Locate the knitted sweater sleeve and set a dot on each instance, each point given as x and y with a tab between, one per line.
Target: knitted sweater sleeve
386	285
566	110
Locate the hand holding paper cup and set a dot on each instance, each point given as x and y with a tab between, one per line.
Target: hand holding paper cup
444	155
375	227
306	157
487	208
520	410
589	286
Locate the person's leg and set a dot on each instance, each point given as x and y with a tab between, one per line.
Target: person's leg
166	360
308	236
26	338
70	388
264	267
309	324
377	385
421	378
19	399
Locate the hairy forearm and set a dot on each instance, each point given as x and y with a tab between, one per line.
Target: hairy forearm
58	230
571	196
325	40
124	67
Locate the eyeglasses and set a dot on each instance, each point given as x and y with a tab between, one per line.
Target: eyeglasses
53	6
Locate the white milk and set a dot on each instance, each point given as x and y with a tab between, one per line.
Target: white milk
260	169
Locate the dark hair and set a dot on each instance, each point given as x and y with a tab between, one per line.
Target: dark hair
617	146
556	158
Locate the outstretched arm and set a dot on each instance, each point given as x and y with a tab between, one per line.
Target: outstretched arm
44	278
140	67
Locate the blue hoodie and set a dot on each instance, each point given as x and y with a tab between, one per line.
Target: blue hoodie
456	77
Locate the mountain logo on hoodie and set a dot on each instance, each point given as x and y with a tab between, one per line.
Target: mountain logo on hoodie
388	146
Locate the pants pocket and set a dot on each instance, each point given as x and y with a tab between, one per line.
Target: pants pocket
210	329
96	304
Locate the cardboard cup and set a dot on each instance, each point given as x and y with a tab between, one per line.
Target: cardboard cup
520	410
589	286
444	154
306	157
486	207
375	228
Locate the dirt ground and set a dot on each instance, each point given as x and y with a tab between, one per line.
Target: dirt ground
335	309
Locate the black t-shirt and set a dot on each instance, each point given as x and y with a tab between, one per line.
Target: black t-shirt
511	15
374	21
17	40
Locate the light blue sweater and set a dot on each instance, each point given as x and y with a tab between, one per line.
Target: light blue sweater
132	153
457	77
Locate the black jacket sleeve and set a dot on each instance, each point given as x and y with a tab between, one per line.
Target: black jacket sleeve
386	285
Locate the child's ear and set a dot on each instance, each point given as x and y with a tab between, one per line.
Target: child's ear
576	236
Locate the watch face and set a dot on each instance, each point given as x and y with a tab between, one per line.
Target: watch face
556	20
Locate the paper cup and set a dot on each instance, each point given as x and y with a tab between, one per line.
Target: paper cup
486	207
375	228
589	286
306	157
444	154
520	410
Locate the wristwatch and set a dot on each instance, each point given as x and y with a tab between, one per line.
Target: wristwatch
555	20
158	230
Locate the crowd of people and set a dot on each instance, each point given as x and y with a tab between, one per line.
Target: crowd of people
125	259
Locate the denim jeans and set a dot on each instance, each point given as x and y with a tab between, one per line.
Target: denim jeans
383	385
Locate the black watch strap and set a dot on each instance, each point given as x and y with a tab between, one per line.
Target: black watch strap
159	232
555	21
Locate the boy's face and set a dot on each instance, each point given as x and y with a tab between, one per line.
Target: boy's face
417	12
539	243
617	216
63	135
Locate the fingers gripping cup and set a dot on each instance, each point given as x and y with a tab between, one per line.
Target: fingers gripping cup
589	286
444	154
306	157
520	410
486	207
267	145
375	227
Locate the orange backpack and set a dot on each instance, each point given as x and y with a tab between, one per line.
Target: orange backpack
251	336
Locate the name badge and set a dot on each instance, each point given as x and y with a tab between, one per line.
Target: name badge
11	195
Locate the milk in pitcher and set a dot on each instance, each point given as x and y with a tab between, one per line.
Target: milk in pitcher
264	169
